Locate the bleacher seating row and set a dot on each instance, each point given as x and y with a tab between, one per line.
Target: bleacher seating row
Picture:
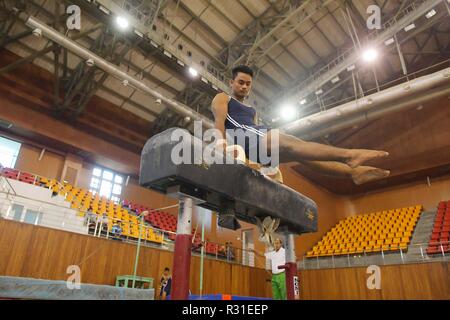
389	230
439	241
126	213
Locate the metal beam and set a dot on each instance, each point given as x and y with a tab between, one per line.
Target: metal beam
112	69
351	56
42	52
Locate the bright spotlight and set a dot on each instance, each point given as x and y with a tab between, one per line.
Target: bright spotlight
370	55
122	22
193	72
287	112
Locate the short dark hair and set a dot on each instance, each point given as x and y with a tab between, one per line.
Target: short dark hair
166	269
241	68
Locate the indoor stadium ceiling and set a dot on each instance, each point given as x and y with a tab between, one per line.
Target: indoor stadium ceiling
290	43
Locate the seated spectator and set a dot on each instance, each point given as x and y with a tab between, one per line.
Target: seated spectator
221	250
229	251
116	231
104	222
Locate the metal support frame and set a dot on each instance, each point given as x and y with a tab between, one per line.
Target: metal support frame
82	86
350	57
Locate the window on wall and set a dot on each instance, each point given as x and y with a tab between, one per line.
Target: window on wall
9	150
106	183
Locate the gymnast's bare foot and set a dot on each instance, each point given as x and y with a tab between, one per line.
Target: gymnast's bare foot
365	174
359	156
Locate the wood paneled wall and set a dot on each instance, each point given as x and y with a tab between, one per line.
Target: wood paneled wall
424	281
39	252
44	253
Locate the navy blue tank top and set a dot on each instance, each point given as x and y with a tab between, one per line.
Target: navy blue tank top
239	115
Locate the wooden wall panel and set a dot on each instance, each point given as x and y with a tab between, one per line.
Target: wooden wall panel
44	253
400	282
39	252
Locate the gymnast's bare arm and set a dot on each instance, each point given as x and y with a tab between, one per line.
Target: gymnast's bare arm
219	108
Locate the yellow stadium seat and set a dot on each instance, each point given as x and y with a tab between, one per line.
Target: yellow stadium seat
405	240
393	247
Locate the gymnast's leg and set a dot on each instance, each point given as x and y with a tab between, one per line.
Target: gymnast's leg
293	149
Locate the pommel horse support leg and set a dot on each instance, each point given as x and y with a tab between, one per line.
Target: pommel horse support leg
182	253
292	281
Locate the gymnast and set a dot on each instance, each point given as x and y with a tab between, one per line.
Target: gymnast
231	113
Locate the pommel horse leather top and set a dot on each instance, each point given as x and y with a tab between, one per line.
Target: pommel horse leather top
229	189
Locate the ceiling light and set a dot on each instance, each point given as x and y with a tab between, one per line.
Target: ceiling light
370	55
410	27
105	10
389	41
122	22
351	68
193	72
335	80
319	92
138	33
303	102
430	13
287	112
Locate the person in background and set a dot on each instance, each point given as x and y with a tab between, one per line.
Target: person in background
229	251
116	231
165	284
277	258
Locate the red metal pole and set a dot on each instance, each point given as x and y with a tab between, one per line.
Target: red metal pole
182	253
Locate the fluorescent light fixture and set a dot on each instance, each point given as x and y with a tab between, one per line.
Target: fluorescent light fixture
193	72
430	13
350	68
167	53
287	112
181	63
410	27
319	92
215	88
122	22
204	80
389	41
303	102
153	43
335	80
370	55
138	33
105	10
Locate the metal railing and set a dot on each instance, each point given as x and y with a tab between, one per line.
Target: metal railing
415	253
63	218
100	226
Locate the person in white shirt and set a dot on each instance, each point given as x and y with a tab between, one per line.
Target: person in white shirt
277	258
